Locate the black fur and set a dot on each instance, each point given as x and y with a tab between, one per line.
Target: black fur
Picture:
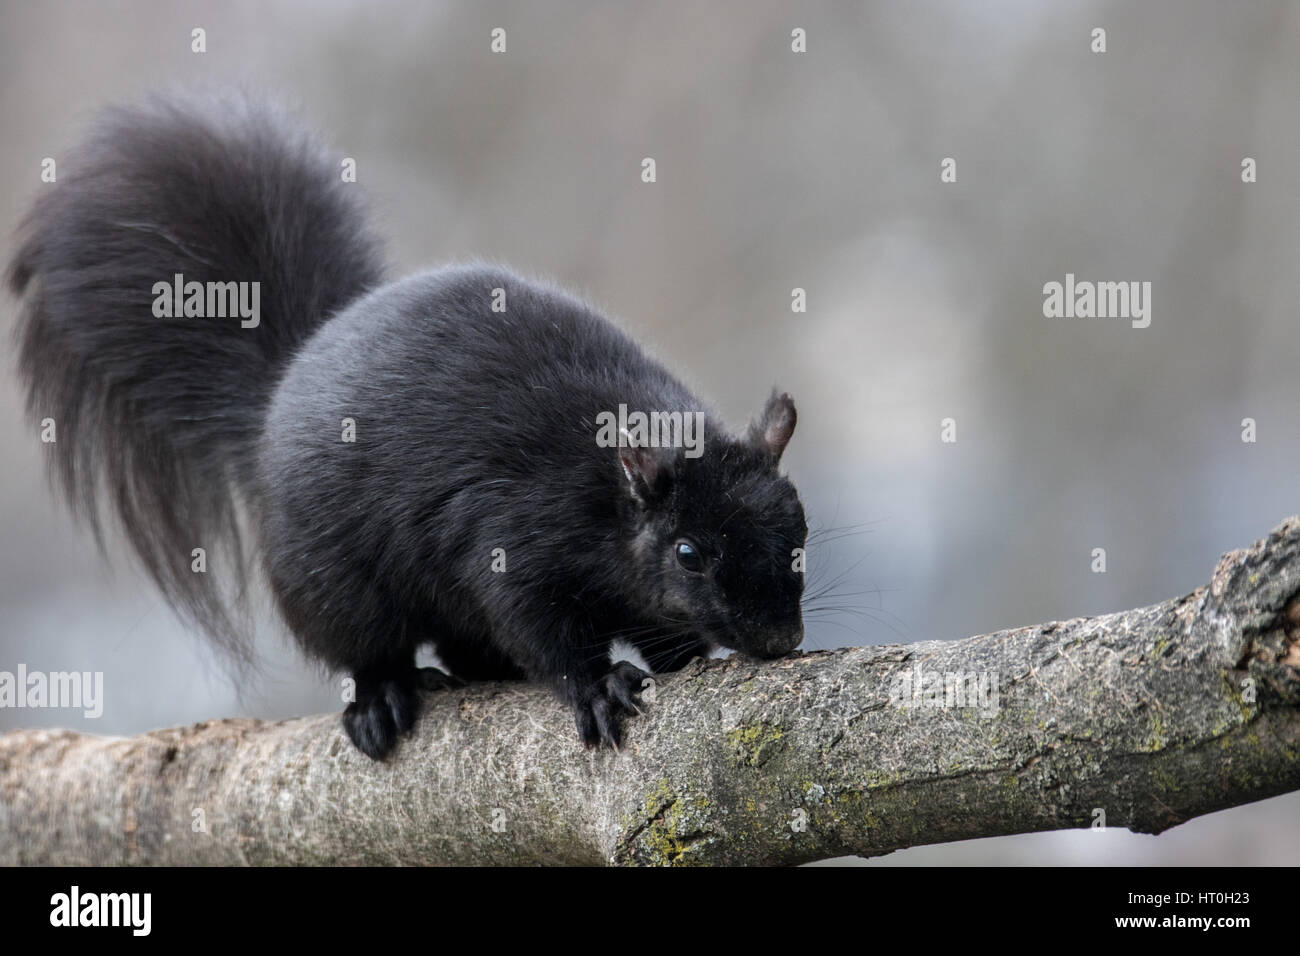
475	430
162	416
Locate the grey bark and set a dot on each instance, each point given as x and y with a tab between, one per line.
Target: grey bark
1150	717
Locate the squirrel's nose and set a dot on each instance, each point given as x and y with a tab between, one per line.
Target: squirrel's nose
783	644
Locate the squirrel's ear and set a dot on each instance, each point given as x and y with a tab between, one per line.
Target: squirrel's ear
647	470
771	433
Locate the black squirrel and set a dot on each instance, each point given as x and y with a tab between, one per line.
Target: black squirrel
472	506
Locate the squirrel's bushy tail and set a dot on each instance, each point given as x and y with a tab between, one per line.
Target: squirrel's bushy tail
160	417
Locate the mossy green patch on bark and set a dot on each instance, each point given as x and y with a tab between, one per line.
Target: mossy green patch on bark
677	828
754	744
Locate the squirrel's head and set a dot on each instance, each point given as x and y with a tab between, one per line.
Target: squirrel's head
718	536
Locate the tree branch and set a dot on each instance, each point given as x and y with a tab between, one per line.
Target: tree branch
1151	716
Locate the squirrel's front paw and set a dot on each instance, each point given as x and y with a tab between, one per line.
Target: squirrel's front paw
600	708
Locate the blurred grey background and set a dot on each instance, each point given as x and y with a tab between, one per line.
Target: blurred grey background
779	170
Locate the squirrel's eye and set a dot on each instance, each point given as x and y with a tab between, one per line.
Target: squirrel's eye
688	557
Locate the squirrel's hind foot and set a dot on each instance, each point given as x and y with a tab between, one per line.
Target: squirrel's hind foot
386	707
